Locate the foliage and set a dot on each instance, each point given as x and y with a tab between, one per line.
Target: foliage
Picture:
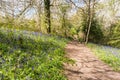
28	55
107	54
96	34
22	25
114	35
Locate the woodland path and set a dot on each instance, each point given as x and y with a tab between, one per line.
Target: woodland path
87	66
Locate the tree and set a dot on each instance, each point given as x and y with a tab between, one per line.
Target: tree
64	9
88	8
47	15
38	7
90	17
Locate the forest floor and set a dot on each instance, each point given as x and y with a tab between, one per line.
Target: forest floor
87	66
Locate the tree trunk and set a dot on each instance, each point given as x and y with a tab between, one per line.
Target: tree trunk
88	32
38	25
89	22
47	15
64	24
90	17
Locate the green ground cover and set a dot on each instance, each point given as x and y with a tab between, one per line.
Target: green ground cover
109	55
28	56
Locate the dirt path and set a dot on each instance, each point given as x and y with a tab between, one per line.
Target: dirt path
87	66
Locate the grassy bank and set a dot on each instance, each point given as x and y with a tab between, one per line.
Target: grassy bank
28	56
109	55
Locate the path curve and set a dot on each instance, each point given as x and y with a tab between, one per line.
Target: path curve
87	66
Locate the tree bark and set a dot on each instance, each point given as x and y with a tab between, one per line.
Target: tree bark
47	15
90	17
88	23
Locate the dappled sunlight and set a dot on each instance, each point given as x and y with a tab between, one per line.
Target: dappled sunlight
87	65
23	56
59	39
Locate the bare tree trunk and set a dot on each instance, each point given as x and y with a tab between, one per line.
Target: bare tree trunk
64	24
86	28
90	15
47	15
88	32
38	25
89	22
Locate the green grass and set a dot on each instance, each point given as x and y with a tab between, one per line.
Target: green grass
106	56
30	57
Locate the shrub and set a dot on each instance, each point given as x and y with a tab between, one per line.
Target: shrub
96	34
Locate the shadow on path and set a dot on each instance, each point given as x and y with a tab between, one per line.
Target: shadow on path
87	66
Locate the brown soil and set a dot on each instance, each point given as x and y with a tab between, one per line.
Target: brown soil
87	66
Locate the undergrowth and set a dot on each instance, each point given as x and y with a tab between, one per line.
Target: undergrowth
31	57
112	59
